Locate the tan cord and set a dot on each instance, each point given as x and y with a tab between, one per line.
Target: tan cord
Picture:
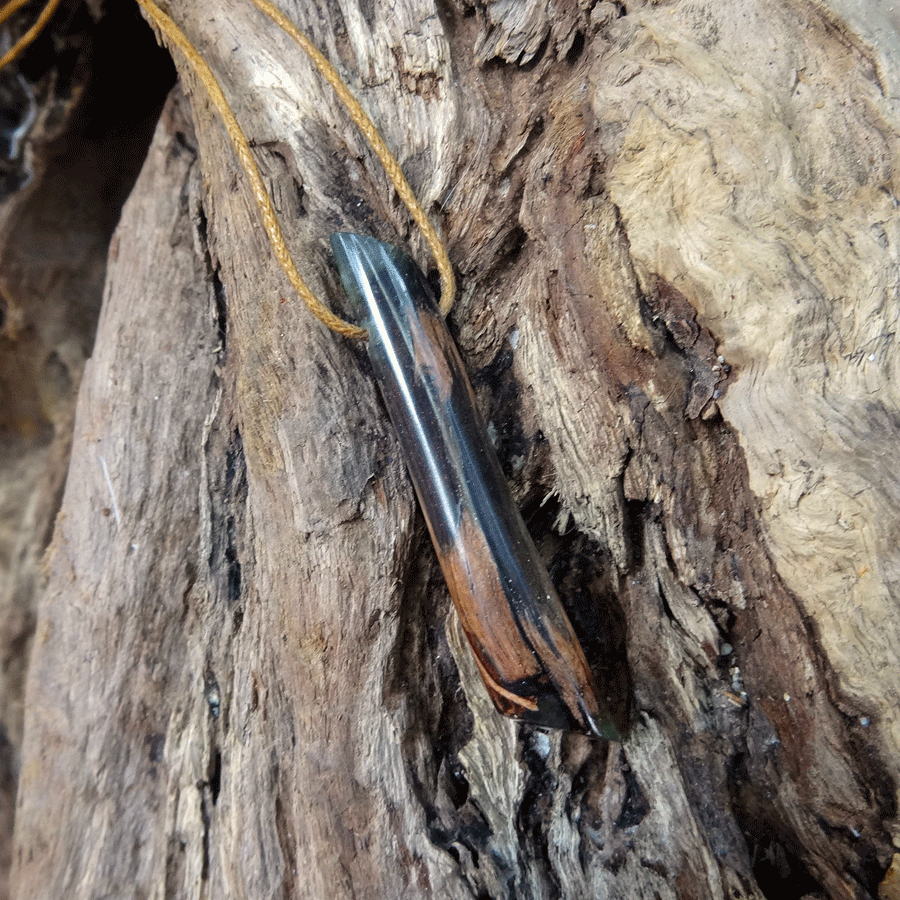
10	8
32	32
376	142
251	169
248	162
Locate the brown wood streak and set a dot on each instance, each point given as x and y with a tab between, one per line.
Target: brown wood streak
487	619
436	365
509	649
471	576
565	664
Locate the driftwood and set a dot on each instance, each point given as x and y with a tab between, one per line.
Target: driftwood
676	236
68	164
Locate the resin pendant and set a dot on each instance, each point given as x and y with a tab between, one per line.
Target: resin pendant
528	655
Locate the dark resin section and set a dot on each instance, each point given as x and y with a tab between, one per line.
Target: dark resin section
527	653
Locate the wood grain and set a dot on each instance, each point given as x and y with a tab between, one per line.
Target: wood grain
246	686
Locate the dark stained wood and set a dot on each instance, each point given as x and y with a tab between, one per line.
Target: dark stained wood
676	231
530	659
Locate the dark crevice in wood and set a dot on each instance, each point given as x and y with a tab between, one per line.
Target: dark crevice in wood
228	497
201	224
577	48
497	387
210	787
609	804
215	775
636	513
533	816
206	819
434	279
779	873
409	664
288	848
533	61
582	572
636	805
458	787
236	490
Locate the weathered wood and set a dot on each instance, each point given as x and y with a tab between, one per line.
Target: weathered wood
64	173
44	339
676	235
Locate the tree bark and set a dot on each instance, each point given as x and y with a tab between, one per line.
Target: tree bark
676	234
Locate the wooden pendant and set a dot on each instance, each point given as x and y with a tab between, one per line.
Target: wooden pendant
528	655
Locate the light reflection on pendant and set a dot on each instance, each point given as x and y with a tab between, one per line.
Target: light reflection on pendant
528	655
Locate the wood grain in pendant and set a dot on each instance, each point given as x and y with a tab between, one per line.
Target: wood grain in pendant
529	657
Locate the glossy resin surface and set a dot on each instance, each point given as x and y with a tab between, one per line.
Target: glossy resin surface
528	655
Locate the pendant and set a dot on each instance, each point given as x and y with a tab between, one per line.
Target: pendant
527	653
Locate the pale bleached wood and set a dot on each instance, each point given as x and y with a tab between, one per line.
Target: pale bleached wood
627	198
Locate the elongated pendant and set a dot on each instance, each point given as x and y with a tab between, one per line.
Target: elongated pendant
528	655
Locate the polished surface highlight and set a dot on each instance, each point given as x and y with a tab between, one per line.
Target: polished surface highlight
529	657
